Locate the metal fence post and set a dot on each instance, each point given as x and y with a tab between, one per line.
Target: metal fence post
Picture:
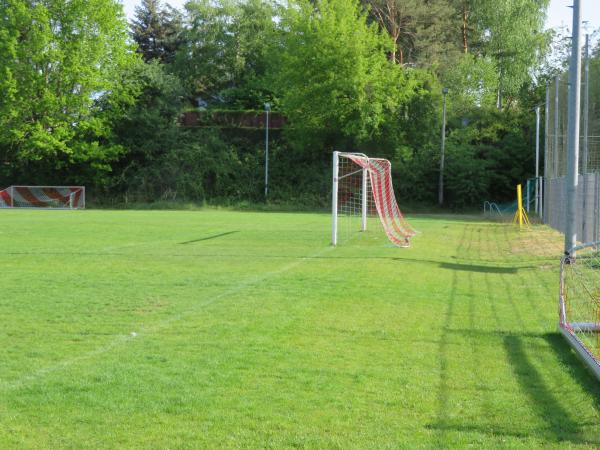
596	205
556	124
585	155
537	155
573	134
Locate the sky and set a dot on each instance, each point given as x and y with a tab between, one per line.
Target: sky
559	12
131	4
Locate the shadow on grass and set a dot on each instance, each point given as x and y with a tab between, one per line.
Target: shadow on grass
443	393
561	426
482	268
214	236
478	268
576	368
542	399
440	264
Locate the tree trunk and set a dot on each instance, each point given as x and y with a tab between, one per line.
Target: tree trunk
465	17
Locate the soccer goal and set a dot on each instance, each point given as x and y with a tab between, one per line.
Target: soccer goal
48	197
362	189
579	303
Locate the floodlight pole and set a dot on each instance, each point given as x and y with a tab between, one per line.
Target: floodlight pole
546	149
573	134
537	157
441	186
267	109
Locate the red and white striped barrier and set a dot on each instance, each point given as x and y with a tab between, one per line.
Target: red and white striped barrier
49	197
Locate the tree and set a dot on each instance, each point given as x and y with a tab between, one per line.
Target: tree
512	34
56	58
225	54
421	31
506	35
332	73
254	31
500	41
157	31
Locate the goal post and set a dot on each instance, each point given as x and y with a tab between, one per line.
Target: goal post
362	188
579	303
43	197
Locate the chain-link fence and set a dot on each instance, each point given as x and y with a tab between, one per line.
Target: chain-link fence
579	274
555	160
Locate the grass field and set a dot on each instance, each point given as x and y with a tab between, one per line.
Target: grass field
219	329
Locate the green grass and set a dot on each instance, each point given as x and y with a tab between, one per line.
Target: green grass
220	329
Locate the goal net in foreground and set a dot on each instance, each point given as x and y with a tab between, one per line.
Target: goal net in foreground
579	303
362	189
48	197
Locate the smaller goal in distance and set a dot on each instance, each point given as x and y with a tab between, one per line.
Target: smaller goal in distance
362	187
43	197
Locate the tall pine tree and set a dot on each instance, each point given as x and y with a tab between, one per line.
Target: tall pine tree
156	30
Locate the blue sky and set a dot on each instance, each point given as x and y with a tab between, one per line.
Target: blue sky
558	14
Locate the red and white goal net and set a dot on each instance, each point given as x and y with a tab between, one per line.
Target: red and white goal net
48	197
362	189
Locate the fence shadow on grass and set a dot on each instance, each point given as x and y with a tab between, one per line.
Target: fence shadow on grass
542	400
562	427
214	236
478	268
576	368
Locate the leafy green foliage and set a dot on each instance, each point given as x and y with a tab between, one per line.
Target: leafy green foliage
332	73
160	161
56	56
511	34
224	56
78	106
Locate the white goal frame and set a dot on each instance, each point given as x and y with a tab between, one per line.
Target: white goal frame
571	330
334	196
375	185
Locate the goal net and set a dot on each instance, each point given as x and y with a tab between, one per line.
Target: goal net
49	197
362	195
579	307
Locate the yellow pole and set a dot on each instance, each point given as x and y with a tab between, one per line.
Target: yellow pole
520	214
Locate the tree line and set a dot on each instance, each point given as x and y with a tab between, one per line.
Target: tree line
88	98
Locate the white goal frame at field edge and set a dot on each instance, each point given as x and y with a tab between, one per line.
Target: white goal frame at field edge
334	196
367	190
576	324
13	197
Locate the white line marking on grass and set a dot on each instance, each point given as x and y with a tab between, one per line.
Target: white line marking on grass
123	339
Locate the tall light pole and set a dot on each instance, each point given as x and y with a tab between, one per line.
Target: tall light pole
537	159
441	187
573	133
267	110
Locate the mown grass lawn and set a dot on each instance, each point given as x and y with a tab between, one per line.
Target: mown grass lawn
220	329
